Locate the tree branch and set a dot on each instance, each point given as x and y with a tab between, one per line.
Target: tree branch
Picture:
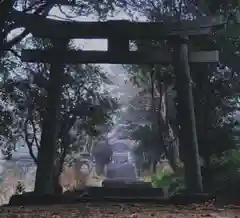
35	133
44	9
29	143
15	53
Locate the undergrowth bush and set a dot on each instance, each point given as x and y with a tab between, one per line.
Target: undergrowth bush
167	179
226	173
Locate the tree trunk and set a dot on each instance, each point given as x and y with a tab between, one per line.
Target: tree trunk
154	166
100	168
186	118
173	153
47	151
207	174
168	138
56	186
173	144
59	166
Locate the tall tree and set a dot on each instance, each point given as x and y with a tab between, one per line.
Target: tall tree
81	100
49	131
157	81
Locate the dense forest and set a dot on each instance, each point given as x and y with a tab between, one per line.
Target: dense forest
85	110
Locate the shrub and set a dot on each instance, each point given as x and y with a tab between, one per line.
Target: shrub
226	173
167	179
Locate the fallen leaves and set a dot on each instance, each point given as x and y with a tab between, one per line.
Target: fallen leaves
118	210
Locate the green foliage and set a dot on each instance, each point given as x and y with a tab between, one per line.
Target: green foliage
162	178
147	136
83	100
148	143
215	87
226	172
216	90
166	178
216	93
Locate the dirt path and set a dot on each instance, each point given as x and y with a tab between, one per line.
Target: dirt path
119	211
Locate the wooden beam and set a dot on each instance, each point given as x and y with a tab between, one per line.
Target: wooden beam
119	44
47	28
130	57
204	57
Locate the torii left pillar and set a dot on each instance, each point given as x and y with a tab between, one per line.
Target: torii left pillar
48	146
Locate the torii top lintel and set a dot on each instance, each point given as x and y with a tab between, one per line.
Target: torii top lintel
43	27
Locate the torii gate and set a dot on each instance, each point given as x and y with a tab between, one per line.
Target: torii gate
118	34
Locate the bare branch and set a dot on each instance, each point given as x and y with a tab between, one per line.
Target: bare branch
35	133
29	142
15	53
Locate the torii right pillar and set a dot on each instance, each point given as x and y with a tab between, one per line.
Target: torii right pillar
186	117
